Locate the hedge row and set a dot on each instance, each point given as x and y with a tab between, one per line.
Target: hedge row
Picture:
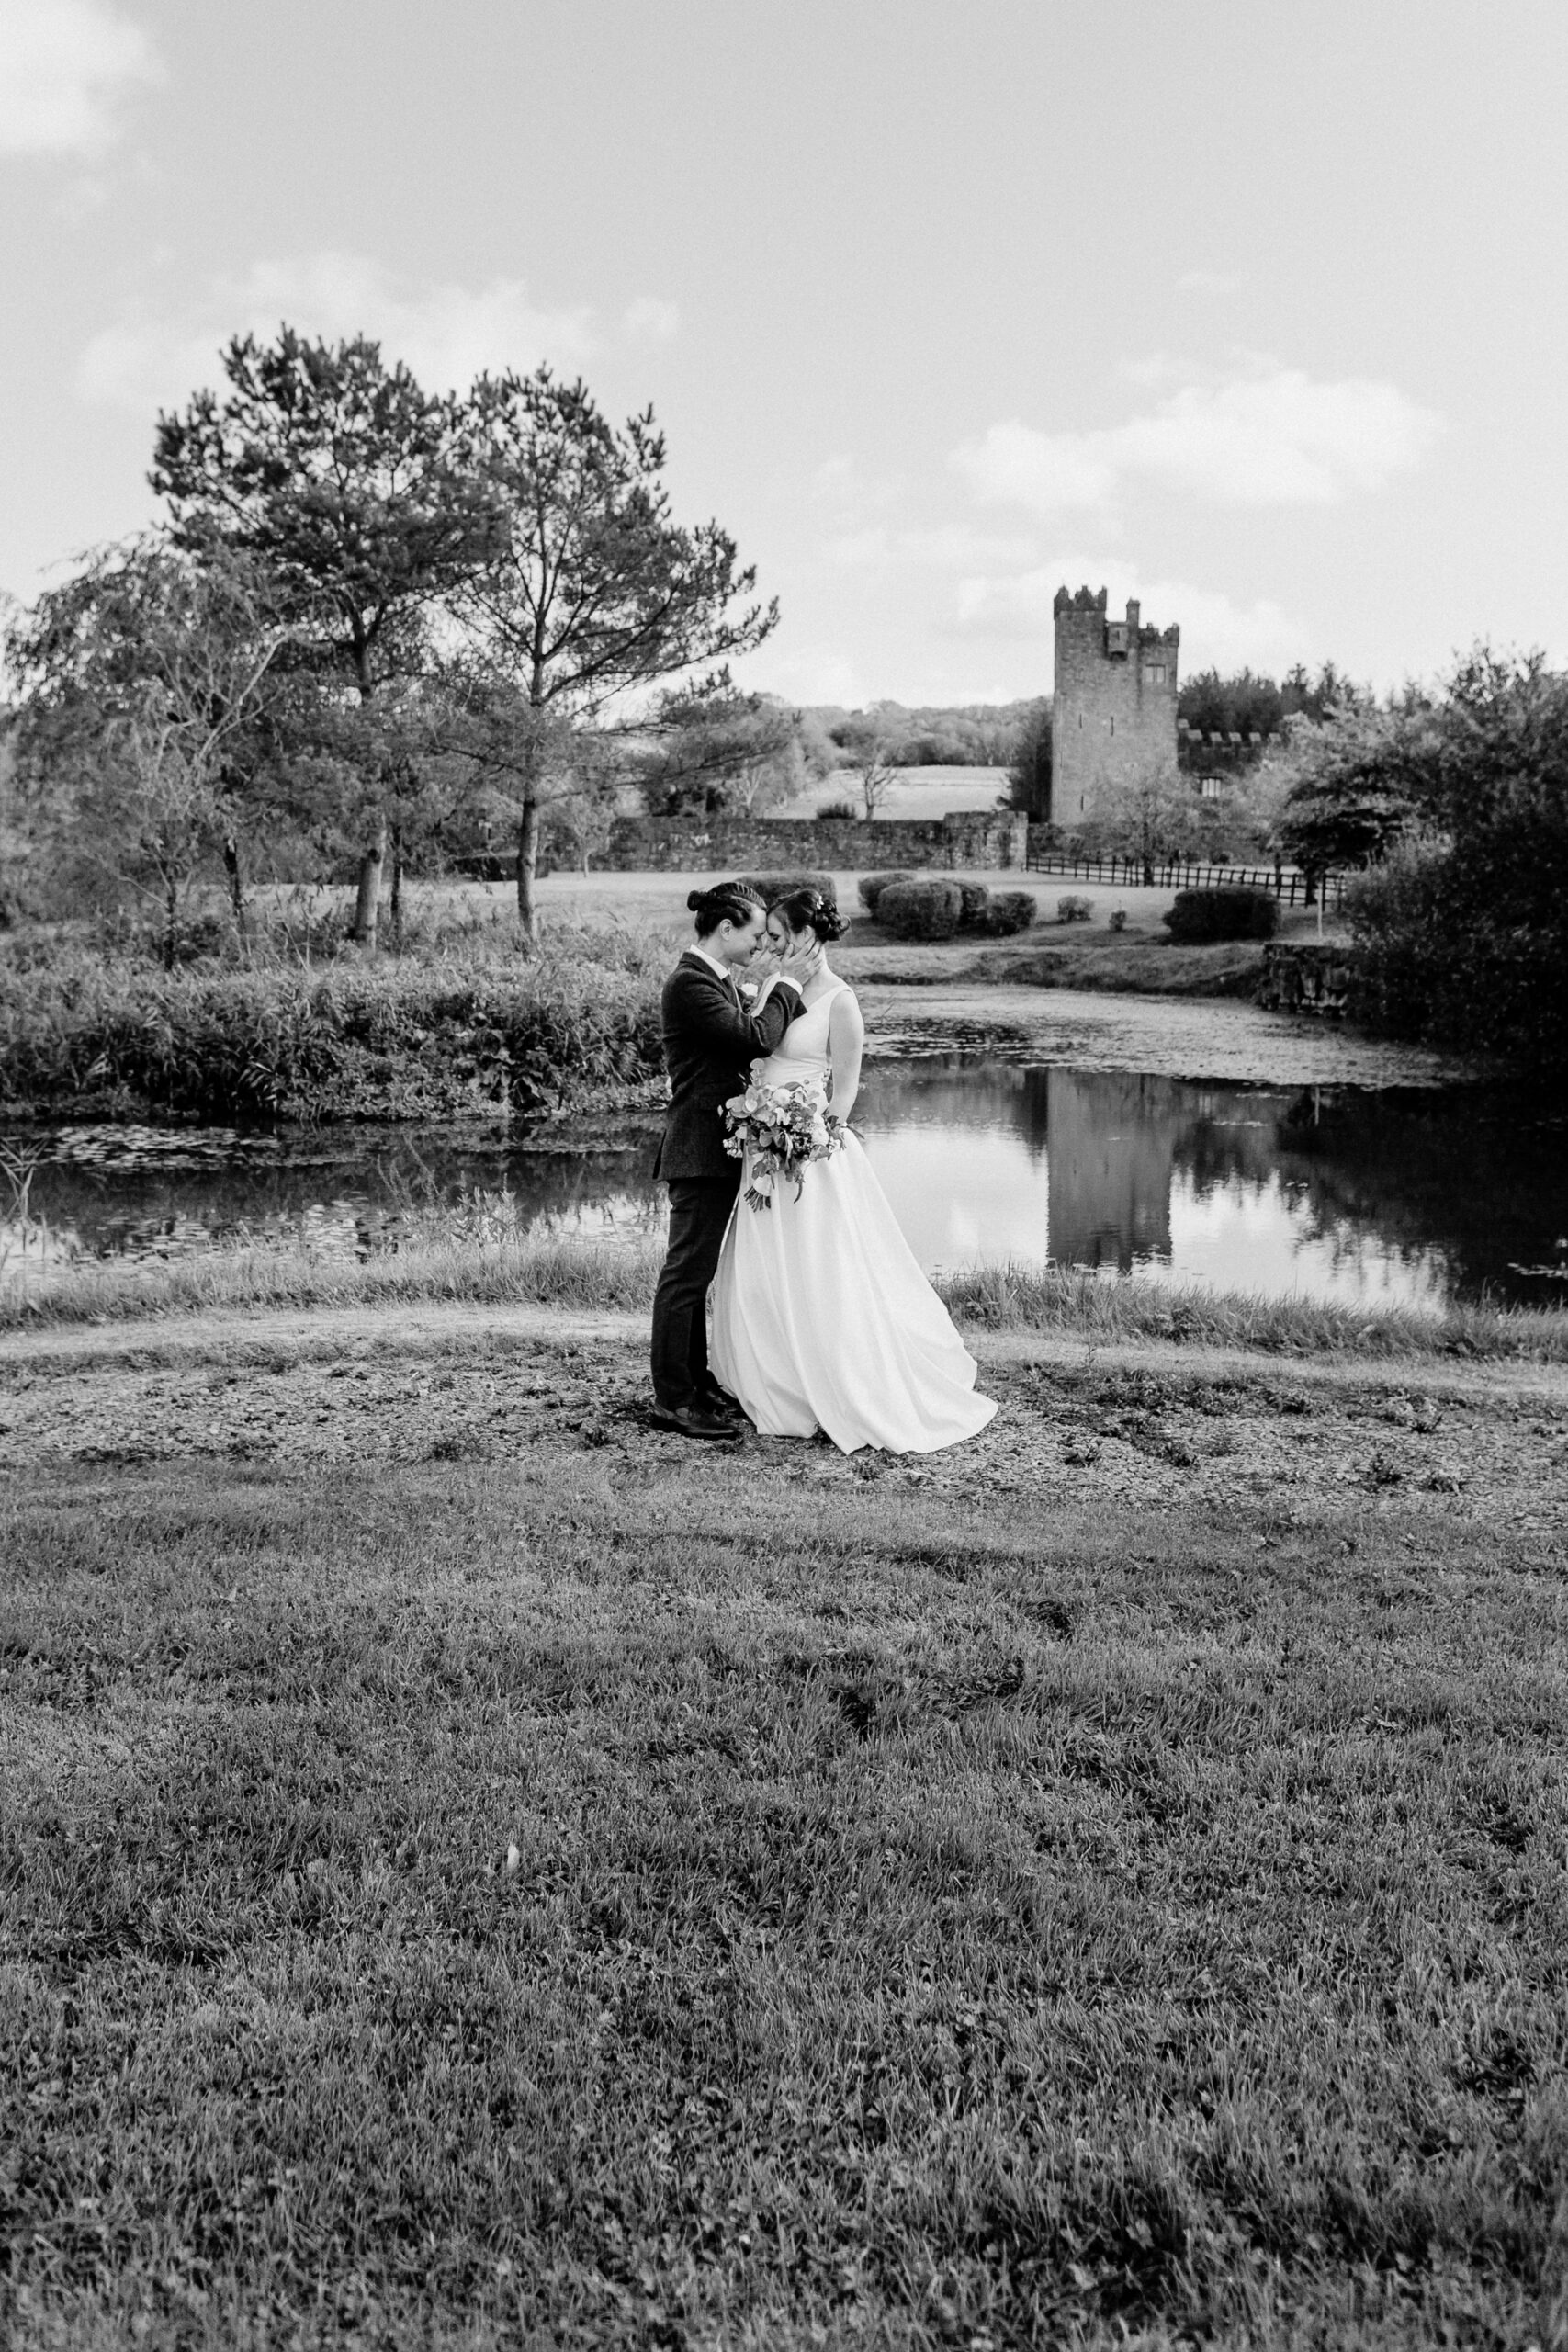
936	906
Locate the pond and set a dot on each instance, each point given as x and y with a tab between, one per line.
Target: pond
1368	1197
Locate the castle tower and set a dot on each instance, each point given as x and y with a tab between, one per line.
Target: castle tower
1113	704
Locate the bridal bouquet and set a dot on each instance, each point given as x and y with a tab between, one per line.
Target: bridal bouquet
784	1128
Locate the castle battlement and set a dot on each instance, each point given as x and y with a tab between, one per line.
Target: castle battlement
1113	705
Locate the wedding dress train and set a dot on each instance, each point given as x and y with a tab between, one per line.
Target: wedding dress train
822	1316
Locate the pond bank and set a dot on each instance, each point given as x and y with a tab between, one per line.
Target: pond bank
1165	1036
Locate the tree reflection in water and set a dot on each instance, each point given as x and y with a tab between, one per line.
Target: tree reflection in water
1098	1169
1474	1180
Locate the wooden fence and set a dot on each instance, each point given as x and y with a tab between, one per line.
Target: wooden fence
1286	883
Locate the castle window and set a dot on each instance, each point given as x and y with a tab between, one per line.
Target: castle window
1211	787
1113	726
1154	673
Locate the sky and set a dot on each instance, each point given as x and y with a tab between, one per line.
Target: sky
1253	311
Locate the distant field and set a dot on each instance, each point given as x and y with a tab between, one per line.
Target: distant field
920	792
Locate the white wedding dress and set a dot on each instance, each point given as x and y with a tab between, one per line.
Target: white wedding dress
822	1317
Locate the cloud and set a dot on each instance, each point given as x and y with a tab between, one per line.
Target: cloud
649	320
64	64
447	333
945	547
1010	607
812	673
1207	281
1268	437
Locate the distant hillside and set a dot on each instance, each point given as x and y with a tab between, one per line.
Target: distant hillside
935	735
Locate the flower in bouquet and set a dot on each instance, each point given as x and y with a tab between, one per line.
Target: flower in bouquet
780	1130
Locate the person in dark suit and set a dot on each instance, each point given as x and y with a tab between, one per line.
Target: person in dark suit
711	1038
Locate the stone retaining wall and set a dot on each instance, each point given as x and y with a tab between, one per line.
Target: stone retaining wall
1307	976
975	839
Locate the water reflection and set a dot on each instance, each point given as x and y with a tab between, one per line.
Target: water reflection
1402	1194
1413	1196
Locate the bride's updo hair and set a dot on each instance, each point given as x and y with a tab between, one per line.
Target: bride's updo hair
734	902
809	910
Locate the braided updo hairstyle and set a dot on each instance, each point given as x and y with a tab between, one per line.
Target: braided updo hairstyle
809	910
734	902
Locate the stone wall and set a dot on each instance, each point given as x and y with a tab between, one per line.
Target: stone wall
1300	975
973	839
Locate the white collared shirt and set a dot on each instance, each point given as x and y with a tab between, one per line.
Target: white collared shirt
711	961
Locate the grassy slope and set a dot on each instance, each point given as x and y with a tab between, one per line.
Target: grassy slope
1130	964
621	1278
1002	1920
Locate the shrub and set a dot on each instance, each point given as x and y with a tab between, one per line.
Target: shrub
1074	909
1226	913
872	886
1438	963
837	813
1009	911
1118	922
928	909
366	1042
974	898
771	888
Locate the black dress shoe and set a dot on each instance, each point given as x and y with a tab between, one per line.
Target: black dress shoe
715	1399
695	1419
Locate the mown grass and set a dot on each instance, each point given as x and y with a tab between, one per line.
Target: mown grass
496	1906
585	1274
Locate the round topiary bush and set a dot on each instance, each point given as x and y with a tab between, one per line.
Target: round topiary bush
1075	908
976	899
1228	913
1009	911
771	888
928	909
872	886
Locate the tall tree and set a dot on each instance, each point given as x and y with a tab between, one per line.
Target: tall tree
718	753
353	487
1028	779
593	592
1352	781
143	680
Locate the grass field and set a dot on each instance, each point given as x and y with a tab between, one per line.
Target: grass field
583	1892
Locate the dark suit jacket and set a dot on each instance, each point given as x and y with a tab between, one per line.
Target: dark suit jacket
710	1042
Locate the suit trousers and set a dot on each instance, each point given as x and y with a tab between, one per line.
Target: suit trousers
699	1212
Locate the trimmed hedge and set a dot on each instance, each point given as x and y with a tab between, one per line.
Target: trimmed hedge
1228	913
928	908
976	898
872	886
1009	913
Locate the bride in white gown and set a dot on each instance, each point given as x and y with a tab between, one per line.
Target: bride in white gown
822	1317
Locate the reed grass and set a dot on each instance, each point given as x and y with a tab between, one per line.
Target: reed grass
491	1268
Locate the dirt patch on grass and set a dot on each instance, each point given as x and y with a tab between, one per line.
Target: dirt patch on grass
1161	1427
